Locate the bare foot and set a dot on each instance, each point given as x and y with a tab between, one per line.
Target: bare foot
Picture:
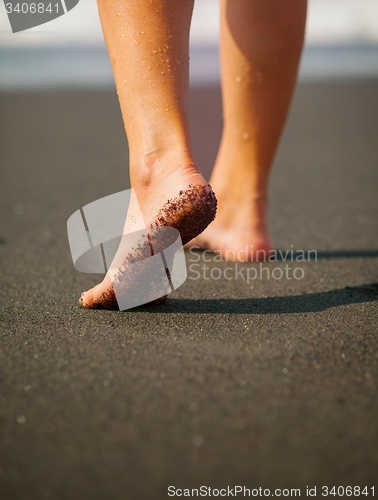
180	198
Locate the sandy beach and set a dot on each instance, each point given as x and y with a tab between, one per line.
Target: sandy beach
263	382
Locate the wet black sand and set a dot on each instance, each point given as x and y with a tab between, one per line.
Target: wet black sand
272	386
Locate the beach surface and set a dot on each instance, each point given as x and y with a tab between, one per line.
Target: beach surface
255	380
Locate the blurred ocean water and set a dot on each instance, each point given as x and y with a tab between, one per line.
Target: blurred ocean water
341	42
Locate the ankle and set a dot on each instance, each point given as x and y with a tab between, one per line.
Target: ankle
170	170
247	196
241	212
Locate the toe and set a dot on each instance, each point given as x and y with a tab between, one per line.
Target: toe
81	300
90	297
86	298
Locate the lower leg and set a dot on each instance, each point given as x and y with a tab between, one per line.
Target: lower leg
261	43
148	44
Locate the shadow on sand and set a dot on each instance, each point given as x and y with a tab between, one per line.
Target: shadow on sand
341	254
290	304
313	255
